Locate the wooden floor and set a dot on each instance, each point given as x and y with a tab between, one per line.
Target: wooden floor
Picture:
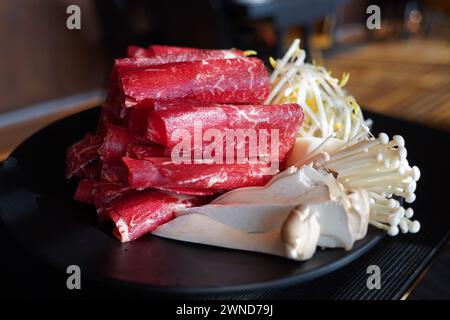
407	79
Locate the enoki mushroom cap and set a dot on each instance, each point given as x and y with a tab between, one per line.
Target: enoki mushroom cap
379	166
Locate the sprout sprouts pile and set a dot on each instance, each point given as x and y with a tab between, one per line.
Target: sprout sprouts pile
328	108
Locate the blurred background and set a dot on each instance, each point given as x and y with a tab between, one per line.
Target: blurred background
48	72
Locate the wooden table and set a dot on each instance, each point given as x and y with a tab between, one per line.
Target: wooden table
407	79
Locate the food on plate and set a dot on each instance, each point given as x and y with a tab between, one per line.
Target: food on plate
162	173
114	172
242	80
138	213
156	55
181	120
115	143
203	146
84	190
82	154
379	166
167	54
127	162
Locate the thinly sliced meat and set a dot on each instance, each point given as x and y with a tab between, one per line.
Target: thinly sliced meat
105	192
137	151
242	80
143	59
152	91
138	117
141	212
114	172
84	190
116	113
100	193
261	120
138	121
142	62
82	153
170	53
135	52
115	143
163	173
90	171
118	143
191	191
158	49
108	116
112	105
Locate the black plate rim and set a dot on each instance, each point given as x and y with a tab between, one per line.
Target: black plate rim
263	285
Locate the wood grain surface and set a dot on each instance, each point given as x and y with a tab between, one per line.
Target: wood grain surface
407	79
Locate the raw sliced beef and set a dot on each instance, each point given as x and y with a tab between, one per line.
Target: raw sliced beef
109	115
163	173
114	172
104	192
115	143
99	193
84	190
191	191
176	54
136	52
138	117
82	153
124	167
118	142
242	80
145	58
90	171
286	119
156	50
141	212
137	151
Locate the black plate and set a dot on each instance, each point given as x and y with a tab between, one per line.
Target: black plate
36	206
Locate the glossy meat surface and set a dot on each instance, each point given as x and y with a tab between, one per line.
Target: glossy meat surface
242	80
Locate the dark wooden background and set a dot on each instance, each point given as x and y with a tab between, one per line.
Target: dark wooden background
40	59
